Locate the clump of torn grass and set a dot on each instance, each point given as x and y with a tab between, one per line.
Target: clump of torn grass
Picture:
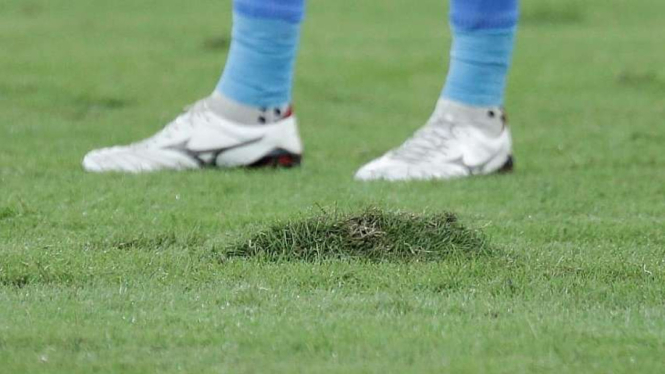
372	234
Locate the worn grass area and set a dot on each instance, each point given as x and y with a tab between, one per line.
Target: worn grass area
372	234
111	273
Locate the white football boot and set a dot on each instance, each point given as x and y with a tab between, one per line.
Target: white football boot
200	138
457	141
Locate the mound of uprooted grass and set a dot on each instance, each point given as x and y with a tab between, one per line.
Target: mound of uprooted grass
373	234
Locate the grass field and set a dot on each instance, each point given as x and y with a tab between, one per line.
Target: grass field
112	273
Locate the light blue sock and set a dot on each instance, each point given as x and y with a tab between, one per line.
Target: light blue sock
260	65
483	40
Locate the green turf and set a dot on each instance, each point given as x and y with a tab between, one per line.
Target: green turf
118	273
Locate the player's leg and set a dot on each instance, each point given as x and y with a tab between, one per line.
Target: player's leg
247	120
467	134
258	75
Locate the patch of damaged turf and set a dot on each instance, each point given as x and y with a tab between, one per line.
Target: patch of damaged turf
373	234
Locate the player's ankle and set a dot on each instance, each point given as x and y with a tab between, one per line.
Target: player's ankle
491	118
235	111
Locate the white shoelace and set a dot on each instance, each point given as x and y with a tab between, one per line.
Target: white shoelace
191	115
434	138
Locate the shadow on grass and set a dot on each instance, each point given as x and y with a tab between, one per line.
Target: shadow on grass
150	242
373	234
552	13
83	107
217	43
648	79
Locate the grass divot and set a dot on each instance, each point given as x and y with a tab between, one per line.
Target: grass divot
373	234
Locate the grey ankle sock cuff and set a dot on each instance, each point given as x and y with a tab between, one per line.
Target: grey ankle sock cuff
245	114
